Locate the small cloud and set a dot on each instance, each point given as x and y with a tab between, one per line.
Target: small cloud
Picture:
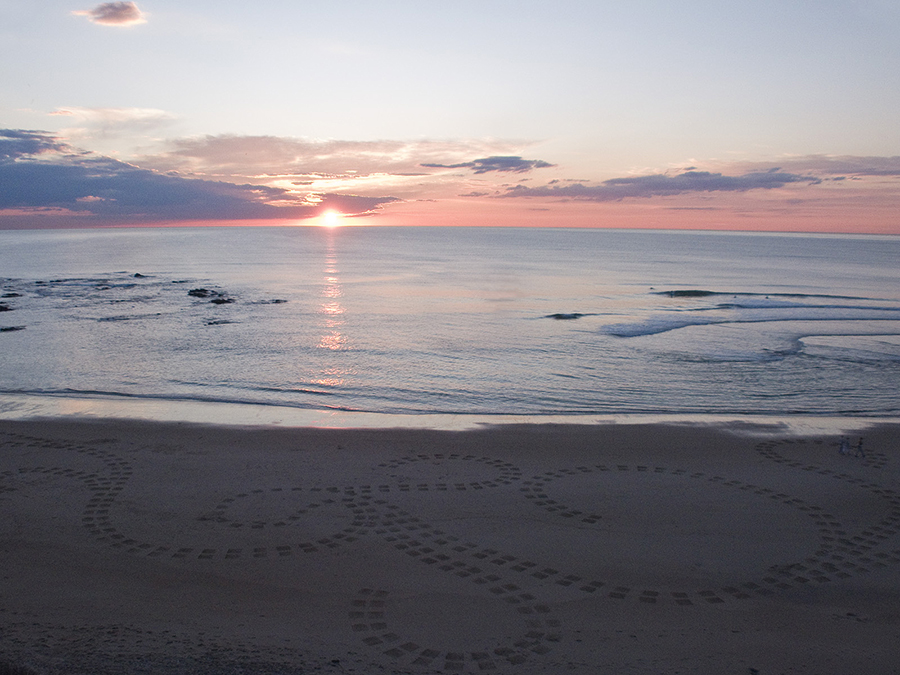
114	14
505	164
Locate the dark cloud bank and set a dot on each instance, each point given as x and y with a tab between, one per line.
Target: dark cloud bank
504	164
662	185
15	143
49	184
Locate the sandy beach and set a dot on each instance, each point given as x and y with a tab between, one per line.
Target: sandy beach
142	547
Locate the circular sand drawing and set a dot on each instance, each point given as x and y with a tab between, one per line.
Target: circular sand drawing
643	533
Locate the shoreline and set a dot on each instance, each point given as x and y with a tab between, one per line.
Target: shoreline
25	407
135	546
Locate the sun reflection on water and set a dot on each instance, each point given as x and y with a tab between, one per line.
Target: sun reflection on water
331	377
331	312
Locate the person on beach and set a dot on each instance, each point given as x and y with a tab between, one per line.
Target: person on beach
845	447
859	449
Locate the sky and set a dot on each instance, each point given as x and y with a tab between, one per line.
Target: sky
769	116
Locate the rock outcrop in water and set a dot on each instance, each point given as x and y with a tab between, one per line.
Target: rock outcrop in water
202	293
559	316
687	293
216	297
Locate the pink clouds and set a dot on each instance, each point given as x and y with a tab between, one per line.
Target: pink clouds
465	182
281	156
407	169
43	179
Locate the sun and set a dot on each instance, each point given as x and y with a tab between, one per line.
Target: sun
330	219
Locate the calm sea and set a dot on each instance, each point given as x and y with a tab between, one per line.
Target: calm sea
462	320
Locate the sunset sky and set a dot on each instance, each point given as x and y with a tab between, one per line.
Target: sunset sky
780	115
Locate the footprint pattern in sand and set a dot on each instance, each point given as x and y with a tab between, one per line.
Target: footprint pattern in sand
527	587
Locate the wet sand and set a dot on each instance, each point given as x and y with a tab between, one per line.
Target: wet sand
140	547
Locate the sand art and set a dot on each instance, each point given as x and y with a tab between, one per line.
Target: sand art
441	560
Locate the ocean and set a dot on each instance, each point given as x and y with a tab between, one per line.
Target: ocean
410	321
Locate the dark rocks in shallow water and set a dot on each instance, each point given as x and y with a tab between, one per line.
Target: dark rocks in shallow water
125	317
5	308
203	293
138	275
10	329
564	317
218	298
689	293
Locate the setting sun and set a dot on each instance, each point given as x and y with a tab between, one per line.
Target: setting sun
330	219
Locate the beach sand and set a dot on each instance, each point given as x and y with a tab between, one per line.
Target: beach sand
141	547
